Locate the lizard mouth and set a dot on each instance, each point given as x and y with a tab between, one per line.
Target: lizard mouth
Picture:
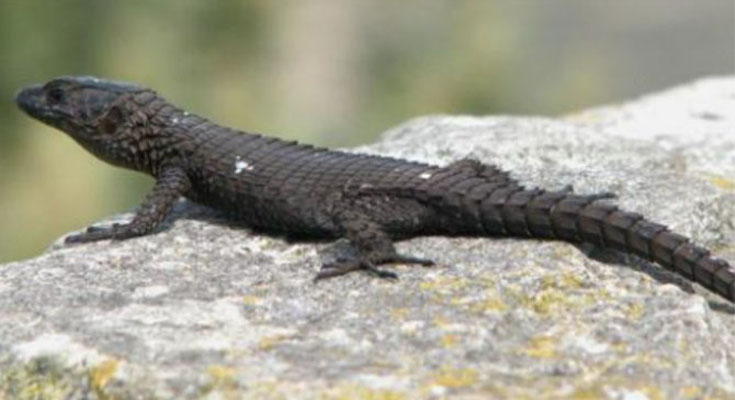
29	99
33	101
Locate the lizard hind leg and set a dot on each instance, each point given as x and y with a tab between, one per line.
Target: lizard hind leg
373	245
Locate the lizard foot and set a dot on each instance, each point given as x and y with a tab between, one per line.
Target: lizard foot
92	234
344	266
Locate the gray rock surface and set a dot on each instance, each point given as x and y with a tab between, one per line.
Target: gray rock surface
204	309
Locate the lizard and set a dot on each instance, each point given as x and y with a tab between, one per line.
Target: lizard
300	191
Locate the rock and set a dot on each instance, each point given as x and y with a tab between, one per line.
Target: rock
205	309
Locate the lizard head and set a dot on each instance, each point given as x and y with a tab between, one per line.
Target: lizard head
96	113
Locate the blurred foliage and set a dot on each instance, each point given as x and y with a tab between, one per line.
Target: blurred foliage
330	72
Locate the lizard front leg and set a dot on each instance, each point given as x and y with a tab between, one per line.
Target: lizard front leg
373	245
170	185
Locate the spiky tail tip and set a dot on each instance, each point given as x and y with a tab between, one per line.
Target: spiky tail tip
578	218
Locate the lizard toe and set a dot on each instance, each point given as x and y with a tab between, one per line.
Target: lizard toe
407	259
92	234
343	267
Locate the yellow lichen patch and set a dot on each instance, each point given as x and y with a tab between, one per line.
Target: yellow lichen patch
588	394
489	305
36	380
717	394
251	300
619	347
548	300
540	347
440	321
599	390
548	281
635	311
449	340
651	392
222	380
101	374
269	342
487	281
457	301
358	392
221	375
691	392
399	314
564	281
595	297
559	293
454	377
723	183
444	284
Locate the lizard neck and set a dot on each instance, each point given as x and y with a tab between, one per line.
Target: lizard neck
175	136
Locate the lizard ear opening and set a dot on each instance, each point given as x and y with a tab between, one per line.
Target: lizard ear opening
111	120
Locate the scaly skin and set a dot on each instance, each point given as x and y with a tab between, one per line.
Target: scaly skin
301	191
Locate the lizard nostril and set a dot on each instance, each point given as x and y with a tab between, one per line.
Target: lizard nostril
24	97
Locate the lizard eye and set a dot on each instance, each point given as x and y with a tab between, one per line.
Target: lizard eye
55	95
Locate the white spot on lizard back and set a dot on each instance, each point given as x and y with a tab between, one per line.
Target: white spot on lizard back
241	165
425	175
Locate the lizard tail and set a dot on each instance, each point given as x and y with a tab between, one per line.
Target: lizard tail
579	218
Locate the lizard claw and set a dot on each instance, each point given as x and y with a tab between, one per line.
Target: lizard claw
346	266
95	228
403	259
87	237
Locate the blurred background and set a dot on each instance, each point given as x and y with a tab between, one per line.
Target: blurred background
330	72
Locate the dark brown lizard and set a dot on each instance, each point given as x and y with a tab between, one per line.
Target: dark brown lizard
297	190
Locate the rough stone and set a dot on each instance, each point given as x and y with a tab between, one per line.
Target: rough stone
206	309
